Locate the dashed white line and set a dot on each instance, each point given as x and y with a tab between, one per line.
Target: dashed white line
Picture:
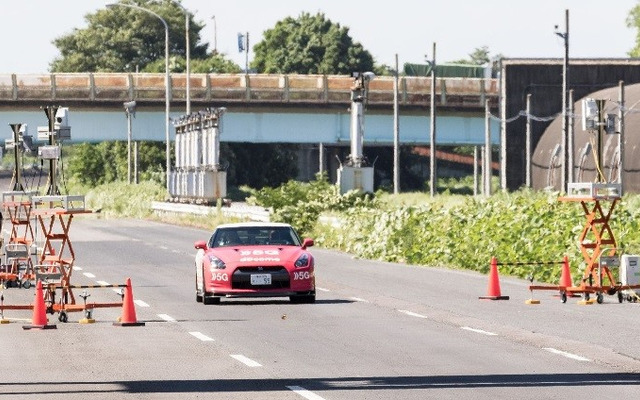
480	331
201	336
167	318
141	303
77	268
103	283
304	393
412	314
246	361
322	289
89	275
163	247
361	300
565	354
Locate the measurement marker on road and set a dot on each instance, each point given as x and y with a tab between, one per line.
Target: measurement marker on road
167	318
358	299
77	268
103	283
322	289
201	336
89	275
304	393
412	314
480	331
565	354
141	303
246	361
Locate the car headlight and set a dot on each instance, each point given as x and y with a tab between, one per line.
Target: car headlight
215	262
303	261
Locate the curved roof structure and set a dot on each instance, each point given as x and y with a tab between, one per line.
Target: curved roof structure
546	158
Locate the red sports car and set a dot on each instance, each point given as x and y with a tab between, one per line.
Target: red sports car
254	259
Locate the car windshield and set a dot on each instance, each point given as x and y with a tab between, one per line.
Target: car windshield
255	236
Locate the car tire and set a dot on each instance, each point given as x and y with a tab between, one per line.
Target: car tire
199	293
303	299
208	300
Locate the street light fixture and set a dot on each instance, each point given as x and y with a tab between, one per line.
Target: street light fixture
166	79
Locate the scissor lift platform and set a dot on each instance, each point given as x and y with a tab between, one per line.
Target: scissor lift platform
597	242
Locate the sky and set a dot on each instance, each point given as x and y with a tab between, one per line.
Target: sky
408	28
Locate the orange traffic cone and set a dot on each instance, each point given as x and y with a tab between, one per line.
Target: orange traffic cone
565	278
128	317
39	320
493	290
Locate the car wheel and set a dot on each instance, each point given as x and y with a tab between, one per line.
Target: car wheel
198	291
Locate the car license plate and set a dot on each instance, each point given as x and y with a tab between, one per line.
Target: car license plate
261	279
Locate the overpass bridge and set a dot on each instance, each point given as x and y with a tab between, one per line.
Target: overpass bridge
262	108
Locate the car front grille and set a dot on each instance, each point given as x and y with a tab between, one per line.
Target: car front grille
241	278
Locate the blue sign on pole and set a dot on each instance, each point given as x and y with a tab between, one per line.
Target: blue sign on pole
240	42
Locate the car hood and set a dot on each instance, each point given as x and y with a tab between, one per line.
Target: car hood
257	255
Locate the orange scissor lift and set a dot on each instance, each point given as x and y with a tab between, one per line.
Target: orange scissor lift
18	269
597	242
55	262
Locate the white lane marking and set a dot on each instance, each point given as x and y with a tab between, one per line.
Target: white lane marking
412	314
565	354
322	289
77	268
480	331
103	283
89	275
246	361
141	303
304	393
358	299
163	247
119	291
201	336
167	318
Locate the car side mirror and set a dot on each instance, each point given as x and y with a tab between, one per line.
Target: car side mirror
200	244
307	242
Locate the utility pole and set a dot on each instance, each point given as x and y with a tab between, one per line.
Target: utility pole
565	78
432	131
396	134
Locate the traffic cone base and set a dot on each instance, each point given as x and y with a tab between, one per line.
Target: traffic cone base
128	317
39	320
493	290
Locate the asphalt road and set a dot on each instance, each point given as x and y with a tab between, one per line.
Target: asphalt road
377	331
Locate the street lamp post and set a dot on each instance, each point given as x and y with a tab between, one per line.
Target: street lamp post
188	56
166	80
215	35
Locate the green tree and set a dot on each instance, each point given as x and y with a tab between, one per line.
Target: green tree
310	44
633	21
120	39
479	56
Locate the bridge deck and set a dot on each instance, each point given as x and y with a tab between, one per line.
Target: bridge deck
111	89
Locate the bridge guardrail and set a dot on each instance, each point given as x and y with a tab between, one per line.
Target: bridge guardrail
239	88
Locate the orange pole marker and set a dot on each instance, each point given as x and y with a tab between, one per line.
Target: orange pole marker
128	317
493	289
39	320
